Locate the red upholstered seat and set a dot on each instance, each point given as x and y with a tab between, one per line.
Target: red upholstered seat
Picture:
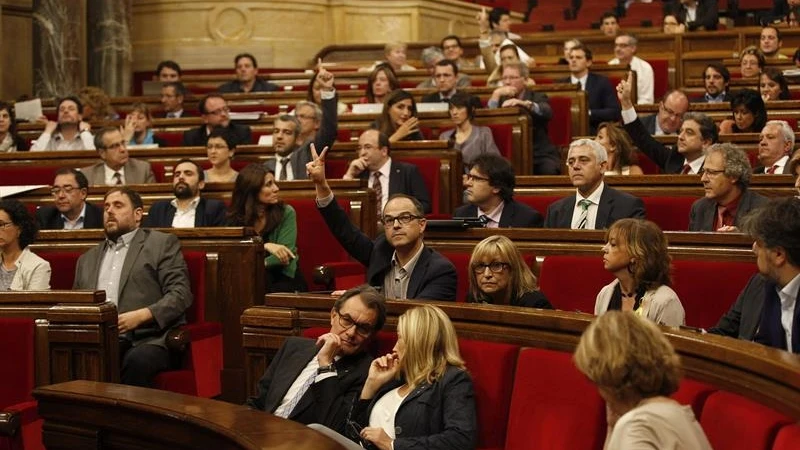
171	138
758	424
647	164
429	168
557	280
788	438
537	202
553	405
693	393
560	127
159	172
461	261
17	372
62	266
27	175
503	138
668	212
707	289
336	168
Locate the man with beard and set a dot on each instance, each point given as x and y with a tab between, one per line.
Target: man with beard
188	209
70	133
71	211
716	79
144	274
116	167
291	155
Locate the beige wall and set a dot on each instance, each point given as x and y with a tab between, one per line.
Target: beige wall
16	51
200	34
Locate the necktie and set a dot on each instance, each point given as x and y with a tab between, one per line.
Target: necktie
287	409
686	169
772	169
584	218
117	177
376	186
284	169
484	219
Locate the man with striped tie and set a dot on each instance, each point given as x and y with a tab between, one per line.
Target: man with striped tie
594	206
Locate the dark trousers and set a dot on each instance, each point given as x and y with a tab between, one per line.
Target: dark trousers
140	364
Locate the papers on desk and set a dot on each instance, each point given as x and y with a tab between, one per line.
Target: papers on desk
367	108
142	146
29	110
246	115
7	191
432	107
265	139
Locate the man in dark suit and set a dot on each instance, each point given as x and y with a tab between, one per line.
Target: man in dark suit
247	79
375	164
316	381
741	320
603	106
188	209
145	276
291	155
490	193
546	160
670	113
595	206
726	177
116	167
71	211
172	96
445	73
775	147
396	260
215	113
776	229
697	132
697	14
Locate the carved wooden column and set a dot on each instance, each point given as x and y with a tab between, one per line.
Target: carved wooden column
60	43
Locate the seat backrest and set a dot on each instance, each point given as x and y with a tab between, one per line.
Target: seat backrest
560	126
62	266
693	393
430	169
196	263
788	438
757	424
538	202
461	261
502	134
159	171
171	138
553	405
17	355
558	282
27	175
707	289
668	212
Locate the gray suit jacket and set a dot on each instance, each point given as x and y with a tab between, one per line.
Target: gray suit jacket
742	319
704	210
154	276
649	123
136	172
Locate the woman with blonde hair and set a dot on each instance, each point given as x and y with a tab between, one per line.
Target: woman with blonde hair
499	275
636	369
636	253
421	388
619	147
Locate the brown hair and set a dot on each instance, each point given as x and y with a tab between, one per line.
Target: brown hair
647	246
625	155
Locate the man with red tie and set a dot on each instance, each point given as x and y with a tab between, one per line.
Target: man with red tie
774	147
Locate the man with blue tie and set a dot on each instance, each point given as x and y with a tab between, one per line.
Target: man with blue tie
594	206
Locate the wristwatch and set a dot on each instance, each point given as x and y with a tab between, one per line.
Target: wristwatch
326	369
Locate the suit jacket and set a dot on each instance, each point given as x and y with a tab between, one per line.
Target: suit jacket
742	319
707	15
770	329
433	278
324	138
602	99
260	85
614	205
787	169
136	172
326	402
649	123
668	159
198	137
33	273
704	210
154	276
404	178
434	416
49	218
209	213
515	215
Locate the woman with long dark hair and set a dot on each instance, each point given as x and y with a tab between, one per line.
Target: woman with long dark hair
10	141
399	118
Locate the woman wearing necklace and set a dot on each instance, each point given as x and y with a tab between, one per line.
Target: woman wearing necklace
255	203
20	269
472	140
636	253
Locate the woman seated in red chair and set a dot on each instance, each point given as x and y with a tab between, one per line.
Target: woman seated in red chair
499	275
399	118
635	368
20	268
636	253
420	395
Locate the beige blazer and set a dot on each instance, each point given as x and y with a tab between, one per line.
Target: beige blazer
33	273
660	305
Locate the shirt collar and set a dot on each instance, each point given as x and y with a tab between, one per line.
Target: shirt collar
193	205
594	196
110	172
697	164
386	168
409	267
80	217
495	214
126	239
790	291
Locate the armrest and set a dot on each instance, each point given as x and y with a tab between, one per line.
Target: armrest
328	273
179	338
13	417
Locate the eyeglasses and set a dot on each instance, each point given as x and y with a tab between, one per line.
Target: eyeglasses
473	177
669	112
511	78
4	225
66	189
219	112
404	219
217	147
495	266
362	329
713	172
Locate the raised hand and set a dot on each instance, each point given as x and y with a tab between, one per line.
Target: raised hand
324	77
408	127
50	127
356	167
128	130
624	92
316	167
328	344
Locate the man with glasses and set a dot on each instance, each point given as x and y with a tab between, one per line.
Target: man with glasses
594	206
625	52
697	132
70	210
116	168
317	380
490	193
384	175
670	113
546	160
397	261
215	113
452	49
172	95
726	177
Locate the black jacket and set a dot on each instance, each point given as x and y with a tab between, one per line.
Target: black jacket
49	218
209	213
198	137
515	215
742	319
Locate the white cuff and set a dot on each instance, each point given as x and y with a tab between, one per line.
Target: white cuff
628	115
323	202
327	95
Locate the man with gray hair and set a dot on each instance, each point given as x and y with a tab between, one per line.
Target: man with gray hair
594	206
774	148
625	52
727	200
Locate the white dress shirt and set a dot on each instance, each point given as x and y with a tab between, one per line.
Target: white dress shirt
788	296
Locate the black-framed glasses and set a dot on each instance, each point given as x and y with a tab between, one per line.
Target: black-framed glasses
65	189
4	225
494	266
473	177
363	329
713	172
354	432
404	219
